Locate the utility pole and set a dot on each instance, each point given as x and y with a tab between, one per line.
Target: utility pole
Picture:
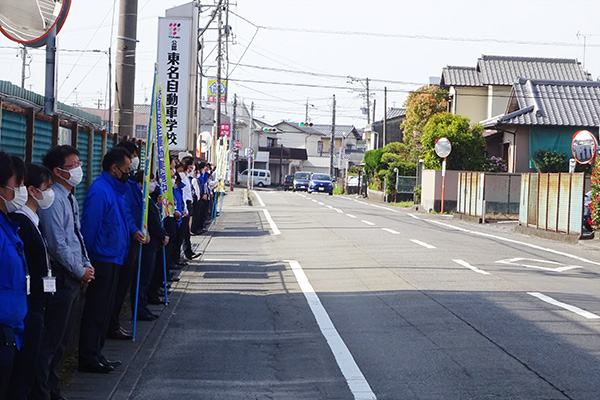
384	116
306	114
332	143
23	65
125	69
250	181
368	104
50	89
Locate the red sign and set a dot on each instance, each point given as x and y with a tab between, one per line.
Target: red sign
237	144
224	129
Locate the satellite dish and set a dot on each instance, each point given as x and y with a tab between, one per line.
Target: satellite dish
29	21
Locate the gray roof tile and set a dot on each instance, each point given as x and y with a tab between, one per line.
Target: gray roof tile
500	70
553	103
460	76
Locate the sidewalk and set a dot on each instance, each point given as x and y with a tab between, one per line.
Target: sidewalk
135	354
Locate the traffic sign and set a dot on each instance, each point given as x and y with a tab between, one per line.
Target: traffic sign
237	144
225	129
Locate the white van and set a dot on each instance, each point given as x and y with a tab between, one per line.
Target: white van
260	177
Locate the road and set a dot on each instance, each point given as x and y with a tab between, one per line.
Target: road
331	297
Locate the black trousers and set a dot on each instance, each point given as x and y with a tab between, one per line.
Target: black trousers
199	216
8	348
24	364
58	323
149	252
99	300
126	274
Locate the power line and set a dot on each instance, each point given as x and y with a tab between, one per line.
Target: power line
426	37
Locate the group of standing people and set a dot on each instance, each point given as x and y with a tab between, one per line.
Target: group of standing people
51	256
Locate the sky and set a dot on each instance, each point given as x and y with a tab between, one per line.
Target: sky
284	54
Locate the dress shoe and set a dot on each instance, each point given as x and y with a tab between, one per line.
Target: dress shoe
173	279
96	367
114	364
161	292
147	317
120	334
156	301
177	267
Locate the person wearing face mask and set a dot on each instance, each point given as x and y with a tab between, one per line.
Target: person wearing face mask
13	269
59	225
107	232
133	197
42	283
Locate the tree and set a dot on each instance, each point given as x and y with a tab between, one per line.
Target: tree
421	105
550	161
467	142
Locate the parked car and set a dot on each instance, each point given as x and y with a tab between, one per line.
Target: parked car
320	183
352	180
288	182
260	177
301	180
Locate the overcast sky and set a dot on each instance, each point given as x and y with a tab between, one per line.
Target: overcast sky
320	43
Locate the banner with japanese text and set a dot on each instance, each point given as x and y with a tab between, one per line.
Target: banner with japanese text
173	59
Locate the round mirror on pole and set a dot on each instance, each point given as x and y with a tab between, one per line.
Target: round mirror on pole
29	21
584	146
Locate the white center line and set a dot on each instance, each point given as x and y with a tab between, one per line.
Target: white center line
262	204
274	228
576	310
391	231
466	264
356	380
351	216
321	204
367	222
422	244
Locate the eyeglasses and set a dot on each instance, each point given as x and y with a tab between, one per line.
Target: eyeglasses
75	165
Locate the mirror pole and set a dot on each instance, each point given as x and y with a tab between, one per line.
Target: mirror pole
50	91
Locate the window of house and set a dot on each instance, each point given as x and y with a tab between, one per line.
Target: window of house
141	131
271	142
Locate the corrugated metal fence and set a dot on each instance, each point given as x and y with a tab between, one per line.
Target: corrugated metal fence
553	202
495	194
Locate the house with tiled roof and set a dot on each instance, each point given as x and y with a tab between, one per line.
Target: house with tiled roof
483	91
542	115
393	131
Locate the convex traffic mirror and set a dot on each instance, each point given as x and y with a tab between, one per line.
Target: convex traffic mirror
29	21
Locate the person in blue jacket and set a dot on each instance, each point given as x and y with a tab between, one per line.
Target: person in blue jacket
106	231
13	268
134	200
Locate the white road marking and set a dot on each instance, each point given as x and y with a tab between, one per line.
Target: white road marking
391	231
351	216
487	235
359	386
274	228
367	222
314	201
262	204
576	310
514	261
466	264
321	204
338	211
429	246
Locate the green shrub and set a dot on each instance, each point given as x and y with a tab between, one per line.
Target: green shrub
550	161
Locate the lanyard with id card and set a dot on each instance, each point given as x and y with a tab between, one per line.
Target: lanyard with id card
49	281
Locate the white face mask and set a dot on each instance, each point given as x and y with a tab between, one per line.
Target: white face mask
76	176
182	175
47	198
135	163
19	200
152	187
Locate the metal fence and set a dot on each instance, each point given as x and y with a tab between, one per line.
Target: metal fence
488	195
553	202
406	184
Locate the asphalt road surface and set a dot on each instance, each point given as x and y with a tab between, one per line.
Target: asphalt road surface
331	297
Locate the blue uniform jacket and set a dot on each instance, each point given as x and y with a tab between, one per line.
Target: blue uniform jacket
13	286
104	224
135	203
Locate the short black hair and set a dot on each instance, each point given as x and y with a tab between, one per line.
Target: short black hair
117	156
201	165
187	161
37	175
56	156
129	146
11	165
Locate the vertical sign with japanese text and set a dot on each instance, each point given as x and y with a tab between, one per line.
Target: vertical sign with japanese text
173	59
